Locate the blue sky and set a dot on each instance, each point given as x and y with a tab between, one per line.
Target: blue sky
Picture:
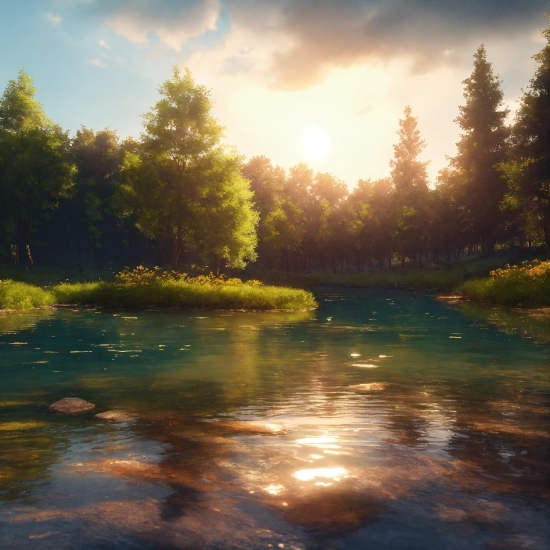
276	68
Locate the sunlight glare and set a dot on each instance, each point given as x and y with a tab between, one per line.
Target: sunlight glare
315	143
331	473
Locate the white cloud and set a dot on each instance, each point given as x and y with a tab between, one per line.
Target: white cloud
97	63
173	23
104	44
52	18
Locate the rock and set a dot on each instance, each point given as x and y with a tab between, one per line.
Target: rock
71	405
117	416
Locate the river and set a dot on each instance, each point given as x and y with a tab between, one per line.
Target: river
384	420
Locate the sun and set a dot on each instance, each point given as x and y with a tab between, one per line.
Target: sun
315	143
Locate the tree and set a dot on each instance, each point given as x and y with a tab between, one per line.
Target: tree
528	170
98	157
181	181
373	204
410	181
35	166
482	147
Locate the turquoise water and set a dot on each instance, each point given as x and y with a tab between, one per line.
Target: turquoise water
382	420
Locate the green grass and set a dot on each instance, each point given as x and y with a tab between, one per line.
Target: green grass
528	285
444	277
180	294
506	293
159	294
17	295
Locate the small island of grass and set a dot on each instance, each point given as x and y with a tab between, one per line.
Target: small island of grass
144	288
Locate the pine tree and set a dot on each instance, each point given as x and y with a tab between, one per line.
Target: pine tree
481	148
528	170
410	181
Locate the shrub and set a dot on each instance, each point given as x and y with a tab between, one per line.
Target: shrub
16	295
527	285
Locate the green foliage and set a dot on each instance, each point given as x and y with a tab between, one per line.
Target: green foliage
527	171
18	108
481	148
435	278
140	276
183	186
35	168
528	285
17	295
170	293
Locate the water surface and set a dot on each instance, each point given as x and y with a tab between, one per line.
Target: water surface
382	420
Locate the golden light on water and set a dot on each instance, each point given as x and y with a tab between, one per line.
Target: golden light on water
322	442
327	473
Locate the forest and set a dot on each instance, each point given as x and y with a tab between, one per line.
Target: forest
178	196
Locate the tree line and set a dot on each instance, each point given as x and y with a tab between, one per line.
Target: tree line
179	195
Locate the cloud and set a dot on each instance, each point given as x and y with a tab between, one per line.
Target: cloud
104	44
52	18
236	64
295	43
97	63
323	34
173	22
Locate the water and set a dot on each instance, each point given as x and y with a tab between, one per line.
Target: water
384	420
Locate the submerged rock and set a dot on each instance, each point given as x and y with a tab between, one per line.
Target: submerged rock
71	405
117	416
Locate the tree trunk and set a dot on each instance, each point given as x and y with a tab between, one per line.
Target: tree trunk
79	256
160	243
29	256
15	247
28	244
177	249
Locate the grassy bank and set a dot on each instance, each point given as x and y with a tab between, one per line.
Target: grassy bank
17	295
527	285
143	288
438	277
170	294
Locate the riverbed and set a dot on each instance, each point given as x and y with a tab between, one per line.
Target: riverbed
385	419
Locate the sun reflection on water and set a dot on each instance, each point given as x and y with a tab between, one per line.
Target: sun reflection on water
313	473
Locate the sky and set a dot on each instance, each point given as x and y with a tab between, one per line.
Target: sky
317	81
